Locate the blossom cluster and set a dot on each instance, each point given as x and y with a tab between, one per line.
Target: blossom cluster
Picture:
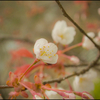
48	56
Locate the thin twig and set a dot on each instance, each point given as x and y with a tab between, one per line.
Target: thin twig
15	39
5	87
81	30
77	73
58	80
81	65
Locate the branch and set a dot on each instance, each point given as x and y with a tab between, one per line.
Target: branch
15	39
77	73
58	80
81	30
82	65
5	86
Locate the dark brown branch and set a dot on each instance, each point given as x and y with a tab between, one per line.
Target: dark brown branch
5	87
66	77
81	30
15	39
81	65
77	73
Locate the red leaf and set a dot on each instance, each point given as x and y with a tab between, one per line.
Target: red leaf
22	52
21	69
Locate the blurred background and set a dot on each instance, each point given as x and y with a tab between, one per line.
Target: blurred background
35	19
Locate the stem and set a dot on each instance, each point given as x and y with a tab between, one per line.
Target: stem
45	95
74	46
56	90
66	56
35	61
31	91
71	89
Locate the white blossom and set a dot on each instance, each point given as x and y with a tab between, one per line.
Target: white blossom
37	97
87	95
75	60
63	34
55	95
52	94
99	11
99	34
87	43
85	82
46	51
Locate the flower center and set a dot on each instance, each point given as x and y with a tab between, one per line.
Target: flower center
81	80
44	51
61	36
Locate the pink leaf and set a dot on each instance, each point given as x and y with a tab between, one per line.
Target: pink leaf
24	94
22	52
21	69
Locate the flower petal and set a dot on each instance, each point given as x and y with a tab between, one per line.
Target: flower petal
39	43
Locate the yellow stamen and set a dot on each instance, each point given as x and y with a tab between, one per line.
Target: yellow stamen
62	36
50	56
81	80
43	53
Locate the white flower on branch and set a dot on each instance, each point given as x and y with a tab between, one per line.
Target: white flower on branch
46	51
87	43
85	82
62	33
